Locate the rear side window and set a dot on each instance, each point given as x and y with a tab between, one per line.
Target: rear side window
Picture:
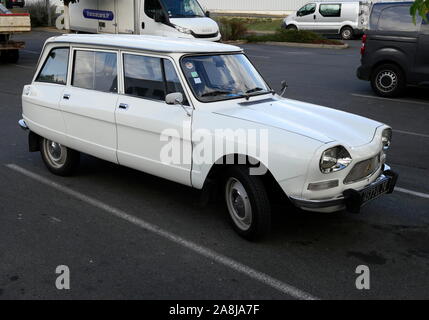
150	77
398	18
95	70
330	10
54	69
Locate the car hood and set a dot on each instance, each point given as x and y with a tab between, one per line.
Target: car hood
316	122
197	25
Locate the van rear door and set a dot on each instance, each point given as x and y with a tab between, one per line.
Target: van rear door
107	16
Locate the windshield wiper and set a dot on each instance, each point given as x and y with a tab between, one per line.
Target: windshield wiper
257	89
216	93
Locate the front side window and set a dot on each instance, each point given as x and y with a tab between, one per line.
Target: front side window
309	8
330	10
55	68
398	18
150	77
95	70
151	7
183	8
222	77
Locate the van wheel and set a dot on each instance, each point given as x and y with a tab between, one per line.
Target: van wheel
59	159
291	27
347	33
388	80
247	203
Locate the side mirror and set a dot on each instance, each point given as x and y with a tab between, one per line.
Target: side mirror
174	98
284	86
160	16
208	14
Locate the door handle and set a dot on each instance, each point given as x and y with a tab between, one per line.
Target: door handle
314	17
123	106
66	96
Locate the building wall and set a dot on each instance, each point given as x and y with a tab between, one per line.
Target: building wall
280	6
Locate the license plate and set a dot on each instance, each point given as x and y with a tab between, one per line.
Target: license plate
375	190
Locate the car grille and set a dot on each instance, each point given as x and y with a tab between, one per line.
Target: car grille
205	36
363	169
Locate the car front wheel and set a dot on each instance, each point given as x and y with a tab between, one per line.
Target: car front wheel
247	203
388	80
59	159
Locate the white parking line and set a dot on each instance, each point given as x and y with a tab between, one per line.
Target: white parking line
203	251
413	193
389	99
412	133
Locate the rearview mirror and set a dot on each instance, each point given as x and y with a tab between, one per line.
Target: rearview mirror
284	86
208	14
174	98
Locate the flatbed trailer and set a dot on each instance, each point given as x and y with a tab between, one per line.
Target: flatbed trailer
10	24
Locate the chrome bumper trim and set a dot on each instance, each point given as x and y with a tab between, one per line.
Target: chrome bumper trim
23	124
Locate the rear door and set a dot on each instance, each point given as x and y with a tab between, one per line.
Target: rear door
107	20
328	17
88	104
422	56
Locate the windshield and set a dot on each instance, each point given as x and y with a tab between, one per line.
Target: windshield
222	77
3	10
183	8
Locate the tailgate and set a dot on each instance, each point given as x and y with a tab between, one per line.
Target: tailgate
15	22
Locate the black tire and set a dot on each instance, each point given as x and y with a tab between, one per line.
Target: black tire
291	27
68	160
257	199
12	56
347	33
388	80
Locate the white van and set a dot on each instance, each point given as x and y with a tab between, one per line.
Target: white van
168	18
346	18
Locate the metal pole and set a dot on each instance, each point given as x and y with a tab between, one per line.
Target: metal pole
48	10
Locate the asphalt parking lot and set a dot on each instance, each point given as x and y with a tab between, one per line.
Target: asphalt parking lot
140	237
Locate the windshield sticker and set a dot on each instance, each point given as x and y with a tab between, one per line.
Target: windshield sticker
189	65
197	80
194	74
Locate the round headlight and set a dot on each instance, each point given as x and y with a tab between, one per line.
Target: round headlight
386	138
335	159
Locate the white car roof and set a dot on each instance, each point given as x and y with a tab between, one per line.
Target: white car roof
146	43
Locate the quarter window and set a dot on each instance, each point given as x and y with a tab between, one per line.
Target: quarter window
398	18
95	70
150	77
330	10
55	68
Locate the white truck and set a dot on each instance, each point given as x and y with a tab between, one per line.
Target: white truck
11	23
168	18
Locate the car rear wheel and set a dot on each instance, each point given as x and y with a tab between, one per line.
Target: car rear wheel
59	159
247	203
347	33
388	80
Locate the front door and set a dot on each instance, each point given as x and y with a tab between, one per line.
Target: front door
148	24
88	105
305	17
152	136
107	21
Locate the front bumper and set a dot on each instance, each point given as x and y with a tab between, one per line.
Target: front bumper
351	199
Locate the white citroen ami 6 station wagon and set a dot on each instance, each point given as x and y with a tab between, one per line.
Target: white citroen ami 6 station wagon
200	114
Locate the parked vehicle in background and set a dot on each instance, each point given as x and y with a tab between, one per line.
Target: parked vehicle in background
395	50
348	19
169	18
191	112
17	3
11	23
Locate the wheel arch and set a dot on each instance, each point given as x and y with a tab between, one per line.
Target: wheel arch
388	61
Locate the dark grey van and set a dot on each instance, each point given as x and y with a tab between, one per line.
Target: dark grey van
395	50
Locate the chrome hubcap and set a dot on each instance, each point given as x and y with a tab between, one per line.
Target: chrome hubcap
55	153
387	81
238	204
346	34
